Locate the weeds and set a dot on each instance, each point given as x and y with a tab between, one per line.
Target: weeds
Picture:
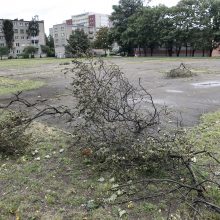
13	137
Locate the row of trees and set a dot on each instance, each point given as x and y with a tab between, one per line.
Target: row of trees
193	24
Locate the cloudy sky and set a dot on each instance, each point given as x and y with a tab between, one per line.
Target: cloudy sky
56	11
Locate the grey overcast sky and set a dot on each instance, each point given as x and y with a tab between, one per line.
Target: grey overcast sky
56	11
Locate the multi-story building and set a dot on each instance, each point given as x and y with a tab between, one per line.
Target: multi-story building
89	22
61	33
21	38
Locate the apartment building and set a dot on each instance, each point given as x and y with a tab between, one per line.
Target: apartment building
61	33
89	22
21	38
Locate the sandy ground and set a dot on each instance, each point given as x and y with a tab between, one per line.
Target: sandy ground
188	97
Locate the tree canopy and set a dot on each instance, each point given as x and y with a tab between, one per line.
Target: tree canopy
102	40
78	43
191	24
48	49
8	33
33	28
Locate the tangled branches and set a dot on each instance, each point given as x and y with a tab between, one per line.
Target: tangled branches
181	71
118	125
115	118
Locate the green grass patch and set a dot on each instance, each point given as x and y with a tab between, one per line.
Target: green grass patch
8	86
52	182
207	134
23	63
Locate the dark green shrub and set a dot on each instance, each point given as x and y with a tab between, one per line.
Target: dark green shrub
13	137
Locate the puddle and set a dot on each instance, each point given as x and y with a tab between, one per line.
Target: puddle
174	91
207	84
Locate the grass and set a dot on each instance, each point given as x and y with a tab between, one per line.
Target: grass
23	63
47	183
8	86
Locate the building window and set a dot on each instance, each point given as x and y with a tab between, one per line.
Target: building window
22	37
26	24
2	45
16	37
56	35
17	44
1	37
21	24
34	41
22	31
18	51
15	31
62	34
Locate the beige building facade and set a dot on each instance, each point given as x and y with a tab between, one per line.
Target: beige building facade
21	38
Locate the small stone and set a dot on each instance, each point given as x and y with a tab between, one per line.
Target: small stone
217	173
61	150
102	179
47	156
112	180
38	158
35	152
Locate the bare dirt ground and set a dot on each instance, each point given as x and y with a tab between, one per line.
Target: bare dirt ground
188	97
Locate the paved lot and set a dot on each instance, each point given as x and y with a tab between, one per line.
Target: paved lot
190	96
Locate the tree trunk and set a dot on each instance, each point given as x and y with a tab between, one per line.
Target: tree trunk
151	51
178	51
186	50
145	51
210	52
203	52
193	52
170	52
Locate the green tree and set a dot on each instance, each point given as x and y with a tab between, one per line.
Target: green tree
49	47
102	39
149	28
8	33
167	31
3	51
33	29
30	50
78	43
120	17
210	23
